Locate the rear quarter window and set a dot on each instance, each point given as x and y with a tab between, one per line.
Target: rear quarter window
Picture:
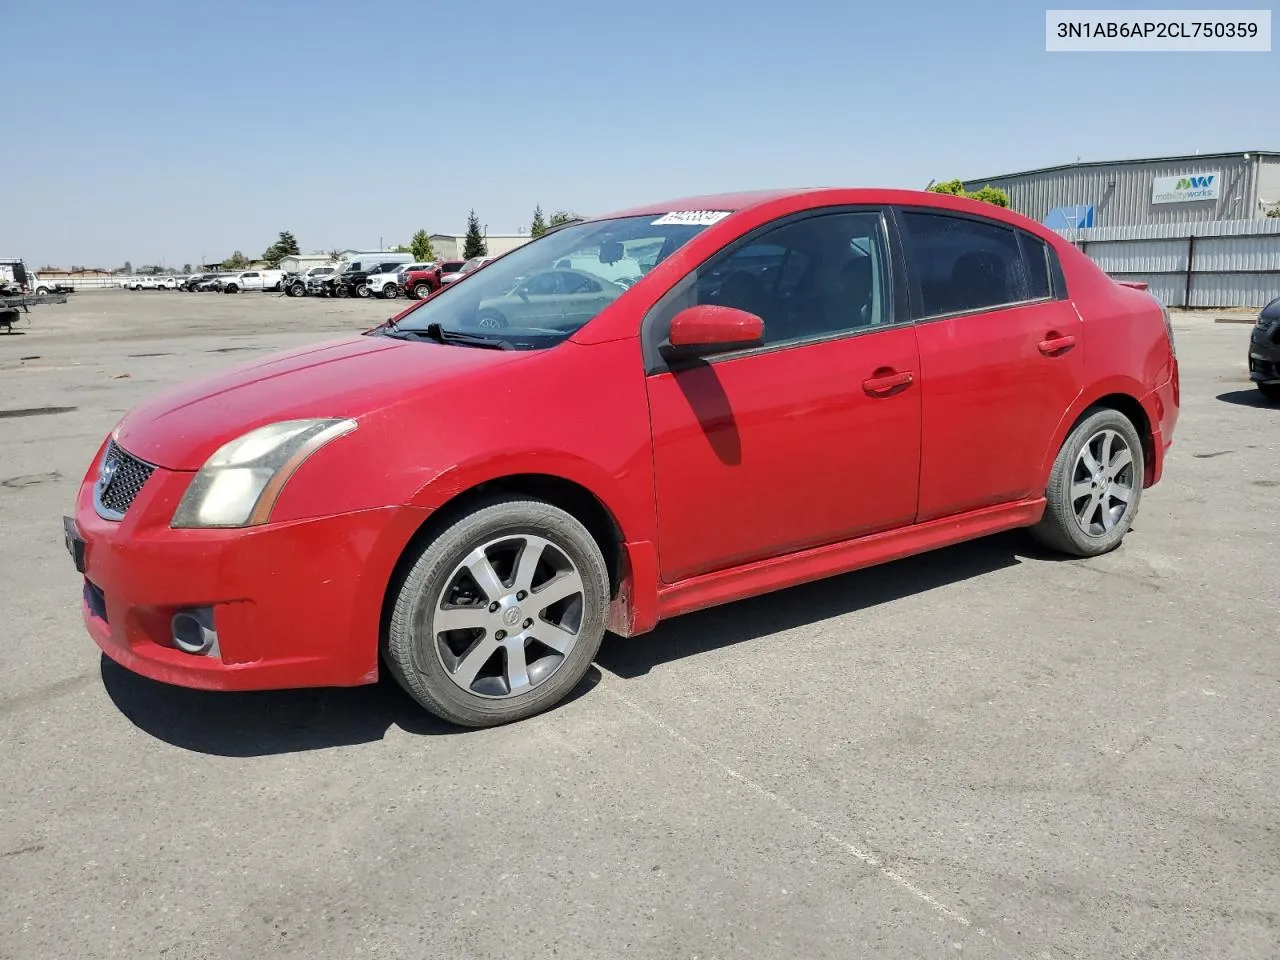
963	264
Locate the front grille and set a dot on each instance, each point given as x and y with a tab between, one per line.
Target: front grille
120	480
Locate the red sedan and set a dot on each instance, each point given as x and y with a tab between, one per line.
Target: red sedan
627	419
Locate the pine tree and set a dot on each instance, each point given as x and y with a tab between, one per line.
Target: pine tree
420	246
562	217
474	246
539	226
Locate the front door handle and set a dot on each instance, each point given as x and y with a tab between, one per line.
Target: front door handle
1054	345
884	383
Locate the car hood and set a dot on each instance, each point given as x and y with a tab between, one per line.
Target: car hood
352	377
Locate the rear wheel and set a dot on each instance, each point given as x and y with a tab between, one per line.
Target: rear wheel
501	615
1270	390
362	290
341	291
1095	487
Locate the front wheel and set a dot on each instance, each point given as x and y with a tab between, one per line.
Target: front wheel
1271	391
390	291
500	615
295	290
422	291
1095	487
232	288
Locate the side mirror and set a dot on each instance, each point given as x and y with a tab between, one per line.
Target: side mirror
707	329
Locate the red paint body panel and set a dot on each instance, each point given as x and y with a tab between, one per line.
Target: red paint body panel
782	451
990	395
724	479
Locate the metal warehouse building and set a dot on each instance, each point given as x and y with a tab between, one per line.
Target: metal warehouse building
1210	186
1195	229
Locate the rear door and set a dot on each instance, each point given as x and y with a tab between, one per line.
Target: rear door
1001	358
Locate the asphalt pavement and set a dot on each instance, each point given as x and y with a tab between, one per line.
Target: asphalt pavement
983	752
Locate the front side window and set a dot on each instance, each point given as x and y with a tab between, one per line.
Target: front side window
816	277
543	291
964	264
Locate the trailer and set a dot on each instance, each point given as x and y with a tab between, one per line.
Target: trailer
20	290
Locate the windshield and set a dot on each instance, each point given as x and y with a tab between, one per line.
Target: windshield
544	291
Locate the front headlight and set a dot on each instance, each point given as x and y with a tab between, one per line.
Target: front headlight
238	485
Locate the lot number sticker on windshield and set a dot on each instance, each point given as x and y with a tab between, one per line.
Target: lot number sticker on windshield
691	218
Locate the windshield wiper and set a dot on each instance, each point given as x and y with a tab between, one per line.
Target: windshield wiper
433	331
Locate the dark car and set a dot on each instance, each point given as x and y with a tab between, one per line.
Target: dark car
351	281
195	280
1264	351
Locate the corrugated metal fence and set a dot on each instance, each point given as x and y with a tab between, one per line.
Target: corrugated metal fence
1215	263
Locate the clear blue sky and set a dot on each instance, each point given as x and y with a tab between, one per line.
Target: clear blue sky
170	130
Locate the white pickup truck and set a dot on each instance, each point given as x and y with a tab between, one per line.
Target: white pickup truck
254	280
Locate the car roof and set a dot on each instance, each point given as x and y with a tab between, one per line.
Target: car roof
801	198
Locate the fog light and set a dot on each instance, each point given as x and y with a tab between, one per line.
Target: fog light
193	632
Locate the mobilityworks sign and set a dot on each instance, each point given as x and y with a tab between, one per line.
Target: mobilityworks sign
1193	186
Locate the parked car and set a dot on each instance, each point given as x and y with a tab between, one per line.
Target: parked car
1264	351
254	280
353	282
420	280
298	284
450	270
151	283
804	383
214	283
195	280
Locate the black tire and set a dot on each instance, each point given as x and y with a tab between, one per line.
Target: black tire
231	288
390	292
42	291
341	291
412	658
295	290
1059	528
1271	391
363	291
422	291
490	319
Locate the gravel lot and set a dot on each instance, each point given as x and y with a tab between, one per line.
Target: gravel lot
983	752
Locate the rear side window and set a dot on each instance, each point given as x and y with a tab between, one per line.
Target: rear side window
1036	254
964	264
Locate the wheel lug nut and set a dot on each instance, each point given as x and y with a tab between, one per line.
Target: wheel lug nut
528	623
493	608
500	635
521	595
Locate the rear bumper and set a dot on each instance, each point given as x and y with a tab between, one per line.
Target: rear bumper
1264	362
1161	406
294	605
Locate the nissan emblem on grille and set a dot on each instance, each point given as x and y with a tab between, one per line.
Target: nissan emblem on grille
120	481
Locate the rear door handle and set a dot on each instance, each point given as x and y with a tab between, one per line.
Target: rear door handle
885	384
1053	346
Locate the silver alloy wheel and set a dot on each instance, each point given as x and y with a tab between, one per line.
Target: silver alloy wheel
1102	483
508	616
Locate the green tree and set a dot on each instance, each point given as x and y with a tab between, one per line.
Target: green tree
474	245
988	194
401	248
335	255
420	247
286	245
1274	210
561	217
539	226
237	261
127	268
186	268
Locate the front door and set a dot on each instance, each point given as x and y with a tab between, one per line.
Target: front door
812	438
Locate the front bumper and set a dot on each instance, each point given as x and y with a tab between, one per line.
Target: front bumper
1264	361
294	604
